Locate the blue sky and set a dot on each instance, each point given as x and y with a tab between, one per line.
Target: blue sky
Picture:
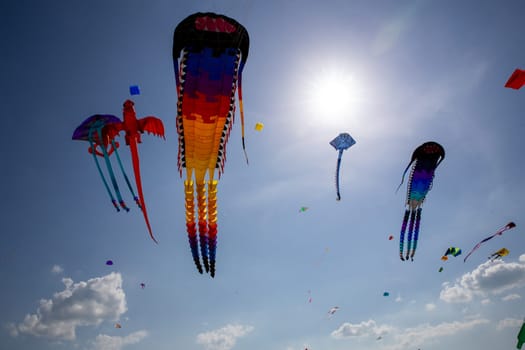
398	74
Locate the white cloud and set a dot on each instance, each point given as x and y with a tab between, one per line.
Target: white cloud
106	342
79	304
485	301
223	338
414	337
511	297
509	323
363	329
522	258
57	269
430	307
488	278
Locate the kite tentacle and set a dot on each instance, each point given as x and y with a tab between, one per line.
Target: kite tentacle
202	222
416	233
125	175
190	222
402	234
93	146
241	107
338	167
410	231
212	224
112	175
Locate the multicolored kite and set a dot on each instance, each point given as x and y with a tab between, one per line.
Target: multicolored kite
100	130
213	50
340	143
497	233
425	160
516	80
454	251
499	254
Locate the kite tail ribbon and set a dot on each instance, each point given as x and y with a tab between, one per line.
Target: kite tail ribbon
203	225
416	233
138	182
339	156
125	175
212	224
190	223
410	231
402	234
241	108
102	175
112	174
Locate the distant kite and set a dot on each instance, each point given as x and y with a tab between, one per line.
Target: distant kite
521	336
259	126
499	254
386	294
440	269
109	262
142	285
340	143
118	325
516	80
332	311
497	233
425	159
454	251
303	209
134	90
391	237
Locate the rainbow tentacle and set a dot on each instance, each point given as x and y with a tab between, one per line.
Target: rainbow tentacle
212	223
190	222
410	231
402	234
203	224
416	233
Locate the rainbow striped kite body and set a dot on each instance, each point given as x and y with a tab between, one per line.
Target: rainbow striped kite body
425	160
212	50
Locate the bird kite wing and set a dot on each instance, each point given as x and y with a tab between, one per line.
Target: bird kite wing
516	80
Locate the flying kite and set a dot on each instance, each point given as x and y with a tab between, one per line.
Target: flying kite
391	237
213	50
109	262
342	142
499	254
259	126
425	160
143	285
386	294
303	209
516	80
133	128
93	130
454	251
100	131
497	233
440	269
332	311
521	336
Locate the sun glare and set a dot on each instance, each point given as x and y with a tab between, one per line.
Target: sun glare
333	96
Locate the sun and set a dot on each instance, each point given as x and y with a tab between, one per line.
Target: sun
333	95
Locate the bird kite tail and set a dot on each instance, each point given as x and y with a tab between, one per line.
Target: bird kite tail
125	175
202	222
416	233
138	183
338	167
402	234
190	223
112	175
212	224
410	232
104	178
